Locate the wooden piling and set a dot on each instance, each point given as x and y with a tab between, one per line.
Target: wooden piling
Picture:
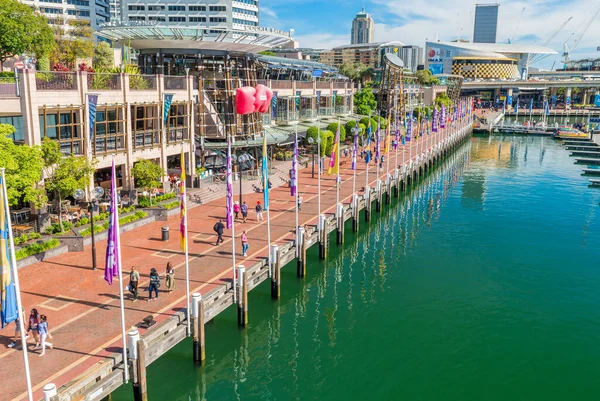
301	246
355	213
340	223
323	239
141	370
367	204
276	277
378	196
242	297
198	328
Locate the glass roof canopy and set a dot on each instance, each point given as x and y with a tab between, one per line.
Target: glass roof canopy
148	35
282	62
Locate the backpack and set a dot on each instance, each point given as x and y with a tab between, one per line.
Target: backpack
216	227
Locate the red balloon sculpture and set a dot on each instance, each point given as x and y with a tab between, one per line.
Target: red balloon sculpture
253	100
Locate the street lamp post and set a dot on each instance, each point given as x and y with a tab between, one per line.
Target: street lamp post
312	142
239	160
92	206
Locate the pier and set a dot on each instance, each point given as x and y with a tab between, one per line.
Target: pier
102	377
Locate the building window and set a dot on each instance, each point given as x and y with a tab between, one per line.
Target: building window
252	2
78	2
218	19
163	19
178	124
136	8
176	8
49	10
135	18
51	1
197	19
109	130
217	8
64	126
156	8
244	22
17	122
244	11
145	123
197	8
177	19
79	13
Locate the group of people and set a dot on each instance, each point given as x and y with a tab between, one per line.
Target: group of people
37	325
154	284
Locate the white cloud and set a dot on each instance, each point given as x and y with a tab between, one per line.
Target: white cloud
268	12
322	40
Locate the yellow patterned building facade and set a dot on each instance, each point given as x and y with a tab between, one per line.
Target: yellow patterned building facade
485	68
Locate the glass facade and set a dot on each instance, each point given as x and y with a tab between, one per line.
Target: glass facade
486	23
65	126
17	122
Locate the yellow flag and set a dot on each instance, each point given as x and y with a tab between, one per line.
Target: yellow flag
334	159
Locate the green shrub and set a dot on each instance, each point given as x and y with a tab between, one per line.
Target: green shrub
123	220
54	228
82	222
350	125
170	205
333	128
327	138
165	197
35	235
36	248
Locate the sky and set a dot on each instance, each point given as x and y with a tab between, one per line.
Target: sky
324	24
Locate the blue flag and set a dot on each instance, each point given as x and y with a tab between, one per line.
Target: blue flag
167	107
8	292
530	105
92	102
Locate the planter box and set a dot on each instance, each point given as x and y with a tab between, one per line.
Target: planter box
50	253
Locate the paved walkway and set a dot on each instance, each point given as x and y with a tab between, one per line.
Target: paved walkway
83	310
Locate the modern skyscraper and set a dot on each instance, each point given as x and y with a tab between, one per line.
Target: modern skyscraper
229	14
411	56
59	13
486	23
363	28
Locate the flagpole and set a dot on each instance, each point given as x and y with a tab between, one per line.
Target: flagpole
229	180
297	192
338	178
123	335
319	171
13	266
185	237
367	152
387	144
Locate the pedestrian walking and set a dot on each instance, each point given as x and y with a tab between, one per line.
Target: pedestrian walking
219	227
34	319
300	200
17	332
259	211
154	284
170	277
244	210
134	278
245	245
236	209
44	335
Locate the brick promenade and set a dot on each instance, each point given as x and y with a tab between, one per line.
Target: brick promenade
83	310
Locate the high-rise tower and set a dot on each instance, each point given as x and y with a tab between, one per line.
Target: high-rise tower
363	28
486	23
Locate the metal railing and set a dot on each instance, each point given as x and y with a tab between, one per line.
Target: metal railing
308	114
341	110
323	85
304	84
99	81
326	111
275	84
8	87
55	81
142	82
339	85
178	82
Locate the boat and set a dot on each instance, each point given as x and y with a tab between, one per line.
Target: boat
568	133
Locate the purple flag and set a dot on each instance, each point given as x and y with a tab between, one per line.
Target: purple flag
397	139
377	142
434	124
113	256
409	127
294	177
443	117
229	180
355	150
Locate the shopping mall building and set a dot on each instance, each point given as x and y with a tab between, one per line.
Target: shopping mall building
482	60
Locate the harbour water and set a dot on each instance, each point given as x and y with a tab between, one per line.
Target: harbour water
480	283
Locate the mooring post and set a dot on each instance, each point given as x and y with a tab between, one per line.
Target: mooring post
367	204
301	249
276	278
242	296
396	182
355	212
50	393
340	223
388	198
198	328
378	196
323	243
133	336
141	367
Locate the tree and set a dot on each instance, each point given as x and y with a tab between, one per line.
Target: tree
23	30
64	174
326	138
333	128
443	99
67	51
364	101
103	56
147	174
352	70
367	75
267	53
23	172
426	78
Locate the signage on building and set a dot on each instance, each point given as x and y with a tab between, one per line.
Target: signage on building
597	104
436	68
434	55
317	73
594	120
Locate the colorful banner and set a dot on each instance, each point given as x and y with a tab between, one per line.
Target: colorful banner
113	256
355	147
298	94
265	173
435	122
397	138
294	172
229	180
167	107
409	127
182	205
274	105
443	117
377	140
333	100
8	292
318	99
334	163
92	103
531	105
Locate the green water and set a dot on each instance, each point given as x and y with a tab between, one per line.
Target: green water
482	283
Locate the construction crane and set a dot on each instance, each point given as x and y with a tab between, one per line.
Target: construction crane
537	58
584	28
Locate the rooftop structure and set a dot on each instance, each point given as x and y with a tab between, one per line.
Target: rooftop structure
363	28
412	56
486	23
481	60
